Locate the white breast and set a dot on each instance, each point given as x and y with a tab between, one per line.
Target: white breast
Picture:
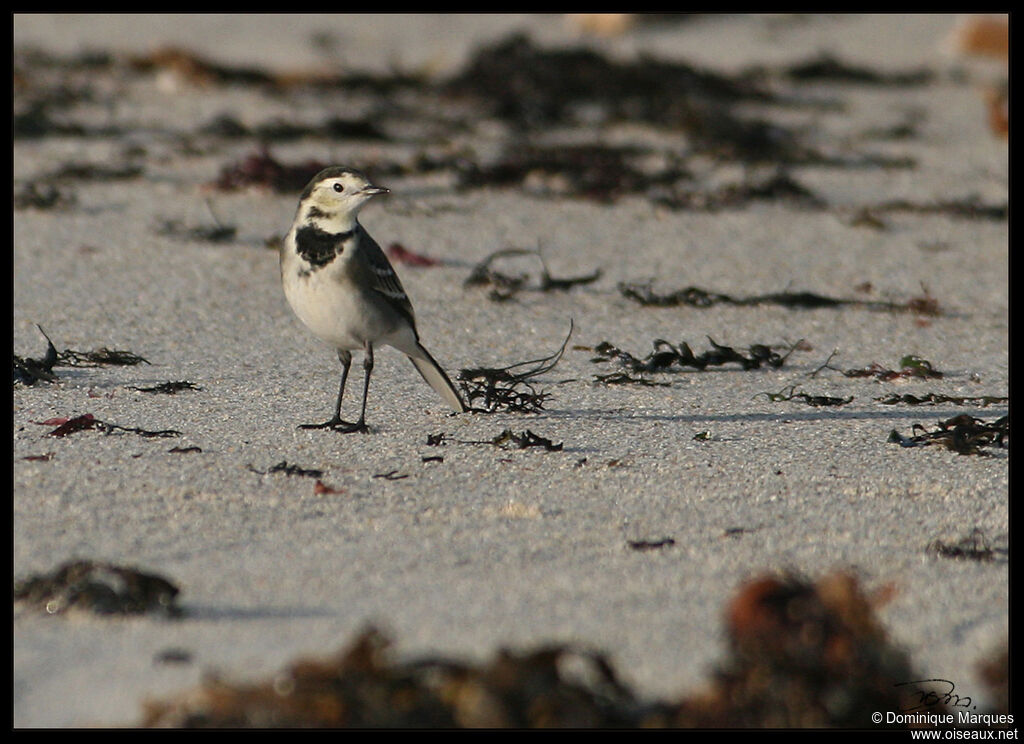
335	308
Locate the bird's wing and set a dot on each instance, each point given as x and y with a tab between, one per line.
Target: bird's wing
383	278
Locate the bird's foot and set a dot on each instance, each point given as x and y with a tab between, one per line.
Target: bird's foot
332	424
339	425
346	427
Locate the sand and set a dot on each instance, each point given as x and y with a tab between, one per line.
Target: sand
493	547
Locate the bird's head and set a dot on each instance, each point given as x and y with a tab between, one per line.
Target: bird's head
335	196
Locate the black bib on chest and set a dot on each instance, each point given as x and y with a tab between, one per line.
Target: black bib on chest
319	247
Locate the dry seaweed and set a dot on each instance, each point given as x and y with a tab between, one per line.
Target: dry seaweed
262	169
96	171
812	400
322	489
87	421
644	545
202	71
195	68
168	388
36	120
800	654
963	434
391	475
994	672
334	127
624	378
668	358
216	233
697	297
508	389
173	656
778	186
28	371
508	439
911	366
599	172
933	399
531	88
400	254
975	547
969	208
825	67
101	588
362	687
99	357
42	195
504	286
39	458
536	87
289	470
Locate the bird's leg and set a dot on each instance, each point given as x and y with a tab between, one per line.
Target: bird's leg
360	425
345	358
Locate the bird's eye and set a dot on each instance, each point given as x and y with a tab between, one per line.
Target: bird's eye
339	188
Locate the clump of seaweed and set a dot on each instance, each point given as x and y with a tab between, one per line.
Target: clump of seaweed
963	434
509	439
777	186
792	392
598	172
67	426
644	294
363	687
260	168
494	389
100	357
98	587
826	67
289	469
975	547
218	232
536	87
911	366
504	286
42	195
28	371
667	357
624	378
933	399
801	654
168	388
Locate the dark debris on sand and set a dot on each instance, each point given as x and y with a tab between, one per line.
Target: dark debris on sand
668	357
801	654
100	588
962	434
532	89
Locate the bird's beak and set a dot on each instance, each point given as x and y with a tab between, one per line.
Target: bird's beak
374	190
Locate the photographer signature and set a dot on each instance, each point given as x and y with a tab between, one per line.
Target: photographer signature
922	698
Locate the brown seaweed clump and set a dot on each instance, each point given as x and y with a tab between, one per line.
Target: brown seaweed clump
801	654
361	688
100	588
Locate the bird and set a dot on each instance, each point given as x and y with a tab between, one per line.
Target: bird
342	287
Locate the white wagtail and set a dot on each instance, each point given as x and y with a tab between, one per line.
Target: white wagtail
342	286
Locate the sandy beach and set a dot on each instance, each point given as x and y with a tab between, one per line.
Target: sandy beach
893	199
